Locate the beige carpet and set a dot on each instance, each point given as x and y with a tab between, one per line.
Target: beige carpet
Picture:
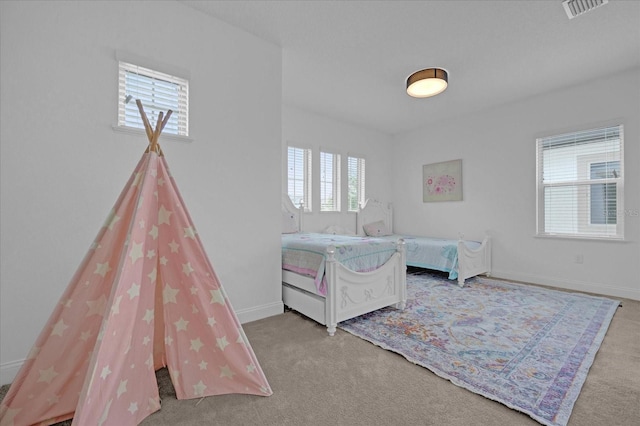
344	380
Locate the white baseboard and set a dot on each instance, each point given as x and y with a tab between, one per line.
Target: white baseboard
587	287
9	370
260	312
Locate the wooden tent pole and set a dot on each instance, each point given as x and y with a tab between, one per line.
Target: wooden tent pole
145	120
153	135
166	119
156	133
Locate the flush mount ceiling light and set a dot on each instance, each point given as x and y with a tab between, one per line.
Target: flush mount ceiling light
427	82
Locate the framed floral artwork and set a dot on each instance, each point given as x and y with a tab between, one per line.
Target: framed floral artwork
442	181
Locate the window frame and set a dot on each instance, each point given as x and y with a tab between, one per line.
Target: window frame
332	182
306	157
359	185
128	94
582	183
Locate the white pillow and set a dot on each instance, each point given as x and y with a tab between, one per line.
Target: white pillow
376	229
289	225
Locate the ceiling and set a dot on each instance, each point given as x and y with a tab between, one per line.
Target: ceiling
349	60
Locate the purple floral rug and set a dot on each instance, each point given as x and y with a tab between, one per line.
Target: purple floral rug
526	347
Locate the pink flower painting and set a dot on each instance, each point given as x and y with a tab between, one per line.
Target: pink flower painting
442	181
440	184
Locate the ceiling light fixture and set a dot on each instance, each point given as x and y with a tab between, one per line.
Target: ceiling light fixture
427	82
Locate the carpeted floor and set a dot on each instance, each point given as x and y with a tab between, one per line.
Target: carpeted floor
345	380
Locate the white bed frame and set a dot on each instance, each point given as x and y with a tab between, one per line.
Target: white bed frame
349	293
471	262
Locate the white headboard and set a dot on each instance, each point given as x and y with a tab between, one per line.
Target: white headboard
288	207
373	211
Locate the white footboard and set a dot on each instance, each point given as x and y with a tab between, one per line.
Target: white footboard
472	262
349	293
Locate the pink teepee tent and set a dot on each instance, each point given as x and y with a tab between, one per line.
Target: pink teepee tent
144	297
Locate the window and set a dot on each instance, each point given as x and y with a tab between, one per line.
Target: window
299	176
580	184
329	182
355	174
158	92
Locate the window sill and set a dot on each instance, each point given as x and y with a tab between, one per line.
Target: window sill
140	132
581	238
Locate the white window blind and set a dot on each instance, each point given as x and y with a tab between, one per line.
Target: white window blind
299	176
581	184
329	182
356	176
158	92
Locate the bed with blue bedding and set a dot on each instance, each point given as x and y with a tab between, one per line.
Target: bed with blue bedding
433	253
460	258
332	278
306	254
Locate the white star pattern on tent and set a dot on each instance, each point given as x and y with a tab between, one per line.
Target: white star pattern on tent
169	294
59	328
47	375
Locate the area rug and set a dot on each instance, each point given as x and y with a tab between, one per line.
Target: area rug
527	347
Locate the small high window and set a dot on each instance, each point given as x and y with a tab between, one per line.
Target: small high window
158	92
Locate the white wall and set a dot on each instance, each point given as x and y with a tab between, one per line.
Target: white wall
62	165
308	130
497	148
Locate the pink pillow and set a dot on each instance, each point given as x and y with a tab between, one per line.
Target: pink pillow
376	229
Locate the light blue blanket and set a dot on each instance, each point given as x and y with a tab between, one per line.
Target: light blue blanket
433	253
305	253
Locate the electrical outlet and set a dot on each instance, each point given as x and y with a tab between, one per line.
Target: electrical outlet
579	259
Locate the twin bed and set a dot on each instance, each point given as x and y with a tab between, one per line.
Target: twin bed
460	258
331	278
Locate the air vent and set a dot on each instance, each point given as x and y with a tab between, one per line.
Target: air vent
578	7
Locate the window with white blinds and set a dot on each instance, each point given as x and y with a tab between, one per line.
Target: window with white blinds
158	92
355	186
299	176
580	183
329	182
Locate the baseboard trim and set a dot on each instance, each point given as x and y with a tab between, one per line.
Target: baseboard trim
9	370
575	285
260	312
